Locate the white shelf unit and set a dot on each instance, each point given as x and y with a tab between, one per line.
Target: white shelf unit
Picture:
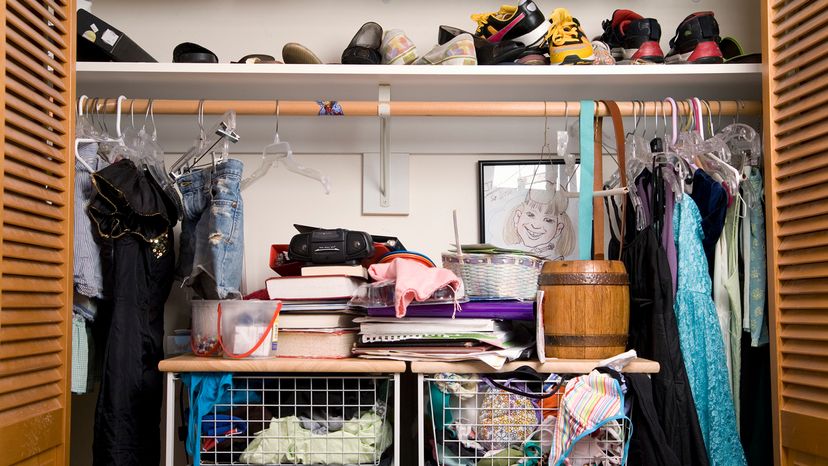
359	82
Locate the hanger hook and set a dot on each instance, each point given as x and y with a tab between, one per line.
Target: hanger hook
709	116
738	107
81	101
132	112
566	114
277	120
118	108
152	119
103	117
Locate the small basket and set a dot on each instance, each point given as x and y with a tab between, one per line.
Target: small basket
496	275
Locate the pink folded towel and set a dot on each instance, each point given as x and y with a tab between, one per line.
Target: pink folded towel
415	281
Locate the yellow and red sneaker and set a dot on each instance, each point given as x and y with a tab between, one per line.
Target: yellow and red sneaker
567	42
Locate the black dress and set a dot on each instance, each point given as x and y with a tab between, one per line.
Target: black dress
654	335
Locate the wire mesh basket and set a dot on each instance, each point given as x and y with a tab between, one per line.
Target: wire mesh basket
476	424
286	420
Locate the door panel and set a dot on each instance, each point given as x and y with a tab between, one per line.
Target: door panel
796	134
36	170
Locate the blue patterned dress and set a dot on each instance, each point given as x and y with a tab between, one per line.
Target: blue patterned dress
701	341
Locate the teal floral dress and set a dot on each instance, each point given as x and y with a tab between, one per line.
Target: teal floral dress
701	341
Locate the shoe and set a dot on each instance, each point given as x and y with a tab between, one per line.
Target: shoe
293	53
696	40
533	59
732	52
488	53
631	37
523	23
397	48
364	47
458	51
567	42
189	52
602	53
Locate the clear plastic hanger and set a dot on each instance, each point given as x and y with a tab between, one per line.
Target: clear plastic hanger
223	132
82	131
280	150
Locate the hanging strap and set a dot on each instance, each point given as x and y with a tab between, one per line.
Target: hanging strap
586	179
618	128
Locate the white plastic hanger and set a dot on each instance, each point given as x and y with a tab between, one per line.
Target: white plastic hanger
277	150
80	130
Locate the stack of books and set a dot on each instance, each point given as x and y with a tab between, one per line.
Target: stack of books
315	321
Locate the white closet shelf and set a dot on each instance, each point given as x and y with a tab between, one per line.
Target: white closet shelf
257	81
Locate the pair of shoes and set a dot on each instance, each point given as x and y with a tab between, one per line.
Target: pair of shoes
371	47
633	38
525	24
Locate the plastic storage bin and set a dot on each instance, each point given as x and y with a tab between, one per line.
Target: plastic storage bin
247	329
204	334
301	419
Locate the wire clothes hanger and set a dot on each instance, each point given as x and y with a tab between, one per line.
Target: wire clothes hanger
281	150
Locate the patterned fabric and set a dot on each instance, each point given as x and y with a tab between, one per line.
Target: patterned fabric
506	418
589	402
757	279
701	341
397	48
80	355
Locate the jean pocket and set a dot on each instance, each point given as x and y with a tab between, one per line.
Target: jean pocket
226	188
225	214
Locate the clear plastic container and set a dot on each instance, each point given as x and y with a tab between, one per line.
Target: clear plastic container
248	328
204	335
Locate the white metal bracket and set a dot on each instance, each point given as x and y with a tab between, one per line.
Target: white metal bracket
384	112
398	200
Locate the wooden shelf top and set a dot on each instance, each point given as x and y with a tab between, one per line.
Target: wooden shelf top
561	366
191	363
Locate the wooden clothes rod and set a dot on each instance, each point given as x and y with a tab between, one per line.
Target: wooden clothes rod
421	109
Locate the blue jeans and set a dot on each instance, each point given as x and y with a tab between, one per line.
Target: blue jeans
211	254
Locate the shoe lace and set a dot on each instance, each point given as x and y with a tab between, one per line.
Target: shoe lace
482	20
563	30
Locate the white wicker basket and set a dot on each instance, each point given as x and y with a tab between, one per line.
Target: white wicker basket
496	275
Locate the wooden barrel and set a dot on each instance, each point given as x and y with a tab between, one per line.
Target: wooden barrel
586	308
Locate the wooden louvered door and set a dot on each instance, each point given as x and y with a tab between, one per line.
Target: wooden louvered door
36	170
796	133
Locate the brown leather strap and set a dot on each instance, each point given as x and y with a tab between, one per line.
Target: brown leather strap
597	203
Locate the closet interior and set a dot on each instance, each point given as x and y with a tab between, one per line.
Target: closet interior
321	257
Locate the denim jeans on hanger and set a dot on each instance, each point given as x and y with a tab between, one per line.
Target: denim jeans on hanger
212	231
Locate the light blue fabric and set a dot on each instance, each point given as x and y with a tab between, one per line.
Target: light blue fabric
701	341
587	178
204	391
757	276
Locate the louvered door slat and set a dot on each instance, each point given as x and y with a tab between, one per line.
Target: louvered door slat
19	73
42	254
37	207
35	347
30	33
24	220
34	97
43	13
40	393
15	8
29	332
36	114
47	166
14	168
34	145
27	63
796	173
55	7
31	268
31	316
32	50
40	193
48	135
29	363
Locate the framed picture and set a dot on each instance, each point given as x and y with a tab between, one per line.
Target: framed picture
527	205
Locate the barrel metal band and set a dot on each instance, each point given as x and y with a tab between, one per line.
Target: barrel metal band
583	279
586	340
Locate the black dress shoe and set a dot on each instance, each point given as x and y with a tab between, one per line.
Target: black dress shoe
364	47
487	53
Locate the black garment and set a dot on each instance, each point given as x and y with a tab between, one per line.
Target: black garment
648	444
756	418
712	201
132	211
653	333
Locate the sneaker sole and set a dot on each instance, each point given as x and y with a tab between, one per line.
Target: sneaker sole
573	60
704	53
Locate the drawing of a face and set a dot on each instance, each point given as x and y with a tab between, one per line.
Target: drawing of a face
535	227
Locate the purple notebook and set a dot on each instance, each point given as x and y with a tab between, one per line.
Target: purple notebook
504	310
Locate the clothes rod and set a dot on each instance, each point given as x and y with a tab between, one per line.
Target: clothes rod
423	109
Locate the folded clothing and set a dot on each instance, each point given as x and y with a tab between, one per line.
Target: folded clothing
360	440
